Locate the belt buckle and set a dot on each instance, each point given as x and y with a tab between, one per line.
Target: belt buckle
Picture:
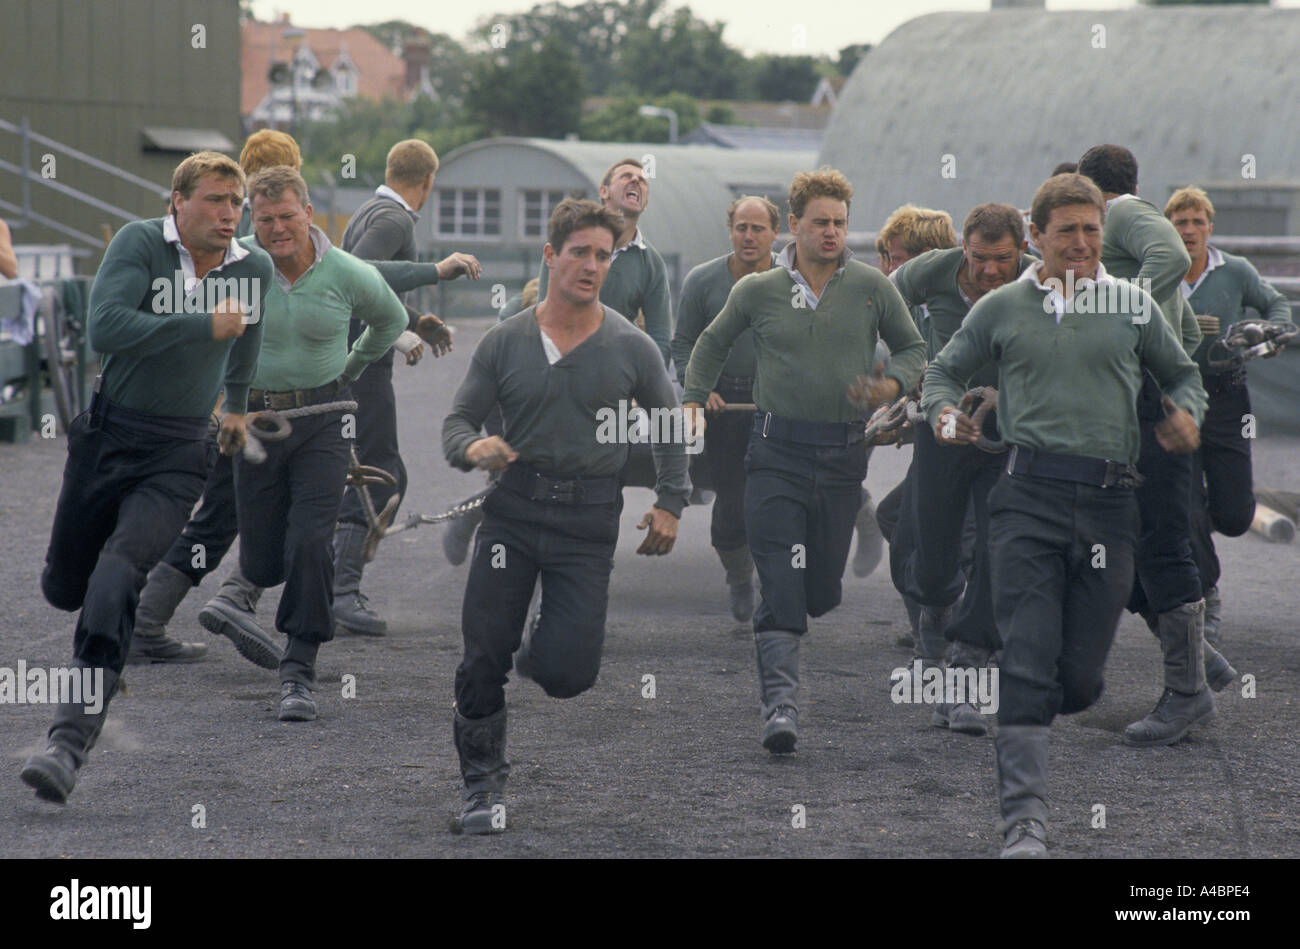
767	419
266	400
1118	475
299	398
1012	454
564	492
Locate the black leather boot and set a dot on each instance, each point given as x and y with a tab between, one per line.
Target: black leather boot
778	680
75	730
481	744
1022	789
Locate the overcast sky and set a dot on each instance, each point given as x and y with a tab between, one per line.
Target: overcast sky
755	26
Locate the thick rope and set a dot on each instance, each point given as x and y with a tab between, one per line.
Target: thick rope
255	452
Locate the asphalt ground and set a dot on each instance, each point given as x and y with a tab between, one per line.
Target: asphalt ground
613	772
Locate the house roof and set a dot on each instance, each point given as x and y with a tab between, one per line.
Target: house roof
749	136
380	72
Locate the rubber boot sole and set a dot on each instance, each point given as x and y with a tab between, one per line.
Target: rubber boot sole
1169	740
217	618
49	778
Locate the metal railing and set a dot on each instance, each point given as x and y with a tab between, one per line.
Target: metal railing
28	176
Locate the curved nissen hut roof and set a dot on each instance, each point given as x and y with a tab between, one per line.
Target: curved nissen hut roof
1010	93
689	191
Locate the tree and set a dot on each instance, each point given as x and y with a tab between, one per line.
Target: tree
620	121
531	92
849	57
356	141
683	54
594	32
785	78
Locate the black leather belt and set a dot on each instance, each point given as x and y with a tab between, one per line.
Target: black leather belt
1078	468
823	434
294	398
735	382
578	489
186	428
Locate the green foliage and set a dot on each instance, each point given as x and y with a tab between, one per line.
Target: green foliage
594	32
367	130
530	91
849	57
621	122
720	114
785	78
684	54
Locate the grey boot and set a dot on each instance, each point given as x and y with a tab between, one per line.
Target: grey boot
908	640
1186	699
458	535
164	589
740	581
931	643
75	730
1219	673
1022	789
481	744
231	614
963	717
297	680
351	613
778	679
870	543
1213	615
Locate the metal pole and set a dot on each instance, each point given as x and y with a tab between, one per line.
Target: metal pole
24	159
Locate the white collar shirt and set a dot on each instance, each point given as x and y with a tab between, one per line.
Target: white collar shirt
786	260
235	252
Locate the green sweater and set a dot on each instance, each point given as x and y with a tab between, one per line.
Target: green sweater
637	280
1138	242
304	342
1071	387
805	358
557	416
704	293
930	281
1226	291
159	358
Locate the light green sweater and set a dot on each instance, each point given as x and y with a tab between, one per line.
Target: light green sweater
805	358
1069	387
305	336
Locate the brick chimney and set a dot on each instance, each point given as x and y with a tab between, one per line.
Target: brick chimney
416	55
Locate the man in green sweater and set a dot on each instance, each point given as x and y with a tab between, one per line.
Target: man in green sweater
1140	244
948	485
288	505
637	284
212	529
638	277
1219	287
815	320
753	223
1070	344
562	371
176	311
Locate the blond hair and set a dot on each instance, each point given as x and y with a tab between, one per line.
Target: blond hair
268	148
1190	199
825	182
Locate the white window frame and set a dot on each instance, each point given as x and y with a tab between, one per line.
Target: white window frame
458	219
548	205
